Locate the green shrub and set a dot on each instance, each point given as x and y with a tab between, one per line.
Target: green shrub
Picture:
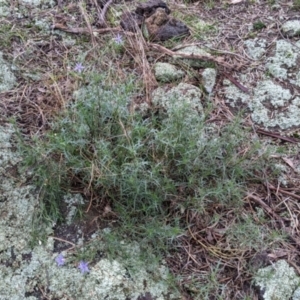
141	163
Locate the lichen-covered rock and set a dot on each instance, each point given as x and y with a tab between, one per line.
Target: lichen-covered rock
285	58
195	50
107	279
256	48
296	295
183	95
4	8
166	72
209	76
278	281
271	105
42	3
291	28
7	78
17	201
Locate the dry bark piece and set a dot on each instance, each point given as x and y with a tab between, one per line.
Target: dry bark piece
173	28
131	21
155	21
159	26
148	8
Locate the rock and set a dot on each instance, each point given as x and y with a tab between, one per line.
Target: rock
7	78
166	72
172	29
271	105
153	17
148	8
192	50
209	76
155	21
131	21
284	59
291	28
277	282
4	9
183	95
296	295
256	48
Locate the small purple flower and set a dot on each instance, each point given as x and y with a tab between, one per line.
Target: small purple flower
79	67
118	39
83	266
60	260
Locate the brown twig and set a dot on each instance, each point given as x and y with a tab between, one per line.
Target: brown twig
62	240
84	30
271	187
265	207
217	60
101	16
87	21
236	83
277	136
139	47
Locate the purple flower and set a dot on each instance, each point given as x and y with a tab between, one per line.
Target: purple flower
118	39
79	67
83	266
60	260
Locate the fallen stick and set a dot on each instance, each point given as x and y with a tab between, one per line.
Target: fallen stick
277	136
268	209
101	16
271	187
217	60
236	83
84	30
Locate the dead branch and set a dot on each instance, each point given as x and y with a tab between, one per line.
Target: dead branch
218	60
265	207
101	16
236	83
84	14
84	30
271	187
277	136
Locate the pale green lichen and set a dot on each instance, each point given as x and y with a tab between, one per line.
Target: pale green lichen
285	57
272	93
73	204
183	95
278	281
209	76
107	279
271	105
7	78
234	95
17	201
291	28
4	8
166	72
192	50
296	295
43	25
42	3
256	48
282	178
